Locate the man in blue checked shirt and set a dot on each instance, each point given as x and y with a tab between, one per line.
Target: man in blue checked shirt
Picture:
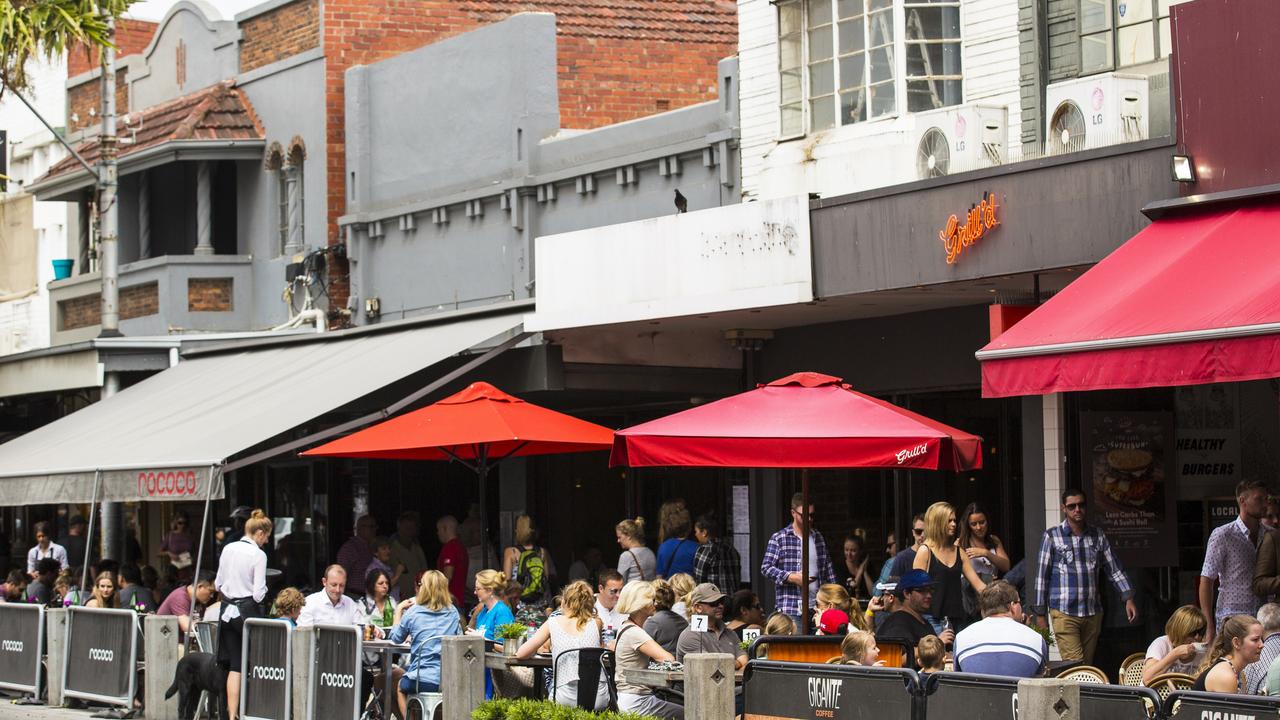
1066	583
781	562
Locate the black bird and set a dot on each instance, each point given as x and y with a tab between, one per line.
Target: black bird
682	203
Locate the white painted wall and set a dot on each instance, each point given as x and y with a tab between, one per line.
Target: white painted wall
24	315
881	152
727	258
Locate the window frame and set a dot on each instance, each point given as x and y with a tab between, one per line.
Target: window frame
898	47
1112	32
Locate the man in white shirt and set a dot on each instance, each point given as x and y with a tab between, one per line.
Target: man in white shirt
607	600
45	548
330	606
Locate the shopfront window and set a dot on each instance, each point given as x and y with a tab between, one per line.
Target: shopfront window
848	61
1121	33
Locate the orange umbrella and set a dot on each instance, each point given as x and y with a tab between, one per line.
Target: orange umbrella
479	427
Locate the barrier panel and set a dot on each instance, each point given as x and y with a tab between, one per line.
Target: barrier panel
266	668
963	695
335	672
1188	705
100	662
21	647
796	648
781	689
1118	702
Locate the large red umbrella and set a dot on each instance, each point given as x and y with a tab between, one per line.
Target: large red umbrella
479	427
805	420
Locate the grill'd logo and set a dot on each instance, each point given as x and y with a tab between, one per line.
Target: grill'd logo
337	680
12	645
264	672
102	655
917	451
824	696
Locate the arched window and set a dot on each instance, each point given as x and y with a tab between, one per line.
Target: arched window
274	164
295	239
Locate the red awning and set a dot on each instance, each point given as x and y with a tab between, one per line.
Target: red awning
805	420
1189	300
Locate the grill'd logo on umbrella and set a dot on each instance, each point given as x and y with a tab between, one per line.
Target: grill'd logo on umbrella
917	451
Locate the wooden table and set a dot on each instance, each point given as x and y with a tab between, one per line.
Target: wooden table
540	663
660	678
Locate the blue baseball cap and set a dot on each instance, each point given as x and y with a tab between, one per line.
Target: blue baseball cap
915	580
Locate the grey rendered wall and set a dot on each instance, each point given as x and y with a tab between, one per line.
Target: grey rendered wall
288	97
209	47
432	155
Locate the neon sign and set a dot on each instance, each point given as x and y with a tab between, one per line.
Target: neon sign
980	220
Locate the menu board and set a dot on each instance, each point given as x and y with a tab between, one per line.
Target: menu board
1126	467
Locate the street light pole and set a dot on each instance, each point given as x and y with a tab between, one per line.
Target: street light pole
109	264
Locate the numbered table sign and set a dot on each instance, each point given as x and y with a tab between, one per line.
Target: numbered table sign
698	623
749	635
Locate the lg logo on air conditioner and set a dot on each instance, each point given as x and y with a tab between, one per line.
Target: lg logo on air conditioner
103	655
12	645
262	672
337	680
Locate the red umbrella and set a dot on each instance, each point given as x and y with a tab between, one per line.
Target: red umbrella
479	427
805	420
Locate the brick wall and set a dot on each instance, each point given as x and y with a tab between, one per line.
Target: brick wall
88	96
285	31
85	311
606	74
132	36
209	294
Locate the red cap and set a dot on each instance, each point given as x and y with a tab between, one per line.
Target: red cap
833	621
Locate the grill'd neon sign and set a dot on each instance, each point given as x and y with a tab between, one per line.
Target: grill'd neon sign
980	220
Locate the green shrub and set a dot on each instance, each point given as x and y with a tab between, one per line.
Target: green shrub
509	709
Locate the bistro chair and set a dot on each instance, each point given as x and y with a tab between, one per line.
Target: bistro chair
586	665
1131	670
423	705
1084	674
1170	682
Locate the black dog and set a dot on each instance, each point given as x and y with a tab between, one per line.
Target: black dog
198	671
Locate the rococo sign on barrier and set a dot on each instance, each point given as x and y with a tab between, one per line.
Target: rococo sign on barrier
981	219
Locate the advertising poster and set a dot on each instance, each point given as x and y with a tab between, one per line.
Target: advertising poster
1207	439
335	682
1127	475
100	654
264	681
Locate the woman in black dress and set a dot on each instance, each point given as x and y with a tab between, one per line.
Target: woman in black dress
941	557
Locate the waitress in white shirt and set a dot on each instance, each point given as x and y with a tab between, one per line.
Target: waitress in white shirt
242	580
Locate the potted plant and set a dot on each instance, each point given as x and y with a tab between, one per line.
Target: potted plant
512	634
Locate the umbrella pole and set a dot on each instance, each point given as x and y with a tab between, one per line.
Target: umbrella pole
804	553
482	470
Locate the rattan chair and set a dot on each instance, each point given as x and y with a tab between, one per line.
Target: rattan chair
1131	670
1169	682
1084	674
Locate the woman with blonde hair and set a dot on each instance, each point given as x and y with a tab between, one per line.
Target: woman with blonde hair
575	627
676	551
104	592
242	581
682	585
529	564
1236	646
834	595
1181	649
636	562
780	623
633	649
424	619
946	564
491	614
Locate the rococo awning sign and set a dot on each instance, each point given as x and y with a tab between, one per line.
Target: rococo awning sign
980	220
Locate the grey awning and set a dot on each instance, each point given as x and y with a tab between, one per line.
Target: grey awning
159	439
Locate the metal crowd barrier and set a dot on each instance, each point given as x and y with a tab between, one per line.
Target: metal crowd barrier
777	689
266	670
336	669
101	655
1188	705
21	647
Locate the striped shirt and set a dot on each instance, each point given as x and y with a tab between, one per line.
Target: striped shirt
1067	571
1001	646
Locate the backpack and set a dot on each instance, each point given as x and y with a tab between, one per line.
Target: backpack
531	573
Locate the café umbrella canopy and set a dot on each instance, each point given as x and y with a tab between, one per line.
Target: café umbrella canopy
479	427
802	421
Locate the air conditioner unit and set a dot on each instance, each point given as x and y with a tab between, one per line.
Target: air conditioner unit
1096	111
965	137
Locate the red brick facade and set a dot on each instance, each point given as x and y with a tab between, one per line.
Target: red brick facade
86	311
280	33
618	60
87	96
132	36
209	294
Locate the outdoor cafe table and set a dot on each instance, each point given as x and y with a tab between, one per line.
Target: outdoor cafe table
387	650
539	663
660	678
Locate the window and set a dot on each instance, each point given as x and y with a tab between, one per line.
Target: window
847	61
282	205
1119	33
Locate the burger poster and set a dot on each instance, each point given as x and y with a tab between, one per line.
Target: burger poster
1127	475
